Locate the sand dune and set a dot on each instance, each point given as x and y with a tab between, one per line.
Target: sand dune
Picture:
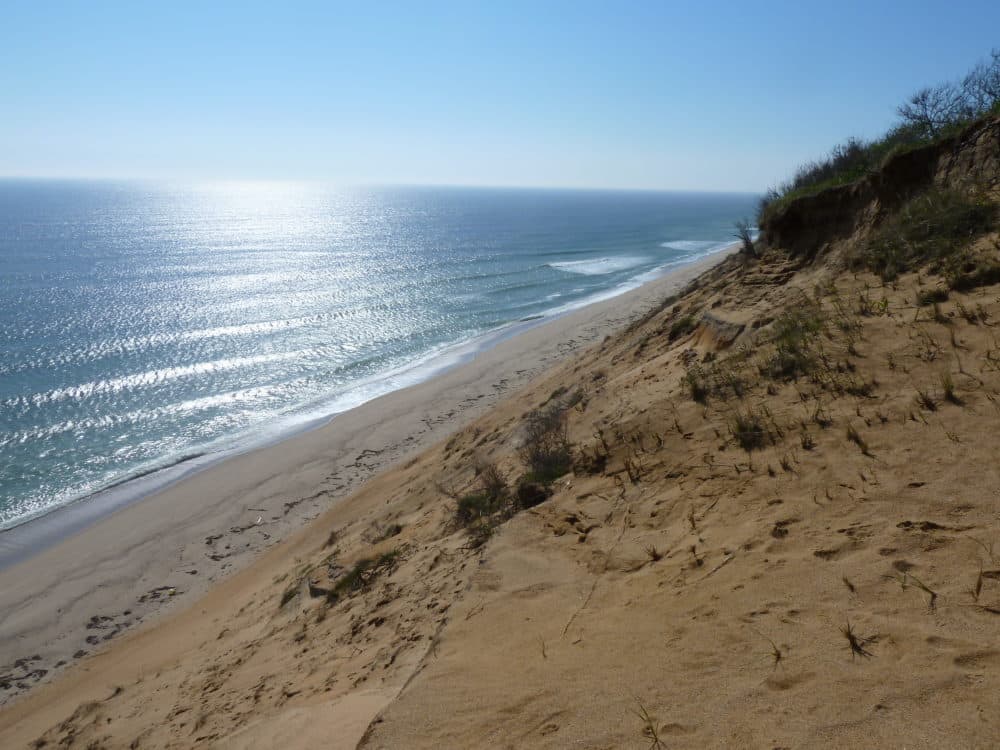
759	513
690	588
136	566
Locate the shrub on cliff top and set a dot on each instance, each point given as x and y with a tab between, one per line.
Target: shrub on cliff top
927	115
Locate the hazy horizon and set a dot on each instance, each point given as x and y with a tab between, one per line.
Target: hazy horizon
319	182
719	98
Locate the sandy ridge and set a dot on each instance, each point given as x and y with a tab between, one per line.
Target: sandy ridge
163	552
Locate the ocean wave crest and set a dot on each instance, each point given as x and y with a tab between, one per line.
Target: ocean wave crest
692	246
598	266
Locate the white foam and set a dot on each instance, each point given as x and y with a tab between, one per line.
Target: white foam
599	266
692	246
703	247
118	491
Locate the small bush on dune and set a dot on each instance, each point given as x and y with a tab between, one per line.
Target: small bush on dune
547	455
591	461
492	496
718	379
931	296
794	333
530	494
494	502
697	382
362	575
855	437
474	507
492	481
681	327
546	451
948	389
752	429
745	236
968	271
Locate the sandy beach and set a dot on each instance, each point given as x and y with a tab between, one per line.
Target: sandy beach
772	524
392	380
161	553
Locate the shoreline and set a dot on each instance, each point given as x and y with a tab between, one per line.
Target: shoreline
24	539
162	550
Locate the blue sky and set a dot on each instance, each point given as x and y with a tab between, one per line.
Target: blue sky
692	95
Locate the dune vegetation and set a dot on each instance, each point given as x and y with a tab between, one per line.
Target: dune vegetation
928	116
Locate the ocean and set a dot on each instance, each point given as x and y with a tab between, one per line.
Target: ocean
144	324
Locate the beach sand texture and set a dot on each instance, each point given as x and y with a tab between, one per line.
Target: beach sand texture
779	562
761	512
164	551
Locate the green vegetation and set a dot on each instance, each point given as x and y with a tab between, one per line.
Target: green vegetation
697	383
681	327
494	502
794	333
492	496
745	236
547	455
753	428
546	451
473	507
930	228
859	644
717	378
847	162
926	400
364	572
650	730
948	389
931	296
930	114
967	271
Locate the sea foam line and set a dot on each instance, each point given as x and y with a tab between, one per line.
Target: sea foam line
599	266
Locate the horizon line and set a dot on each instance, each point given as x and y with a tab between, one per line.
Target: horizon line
374	184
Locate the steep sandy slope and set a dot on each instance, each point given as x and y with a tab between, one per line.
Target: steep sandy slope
691	581
781	529
714	590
